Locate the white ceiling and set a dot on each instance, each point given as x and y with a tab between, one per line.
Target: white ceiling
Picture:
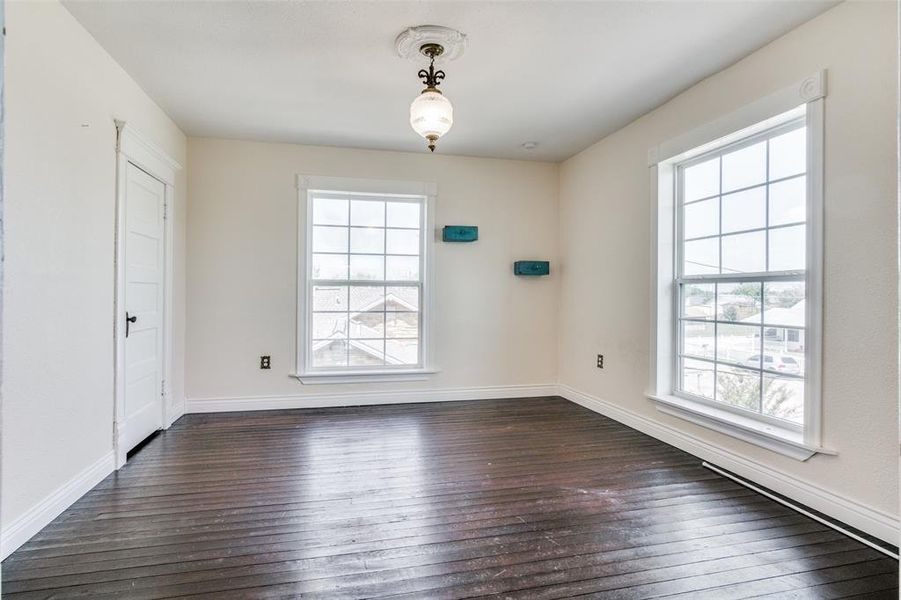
563	74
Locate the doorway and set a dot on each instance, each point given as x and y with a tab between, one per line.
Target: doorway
145	191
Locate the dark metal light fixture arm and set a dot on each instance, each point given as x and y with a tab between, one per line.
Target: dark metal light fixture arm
431	78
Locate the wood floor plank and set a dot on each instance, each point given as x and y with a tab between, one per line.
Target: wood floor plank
528	498
873	575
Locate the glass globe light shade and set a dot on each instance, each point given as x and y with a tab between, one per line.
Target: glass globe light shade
431	116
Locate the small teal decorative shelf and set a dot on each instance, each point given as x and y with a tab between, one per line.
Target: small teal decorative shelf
531	268
460	233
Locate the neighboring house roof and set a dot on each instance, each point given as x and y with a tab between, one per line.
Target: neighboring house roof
700	311
388	297
363	330
359	345
792	316
739	299
708	308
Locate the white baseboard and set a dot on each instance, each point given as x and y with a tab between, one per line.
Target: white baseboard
22	529
365	398
870	520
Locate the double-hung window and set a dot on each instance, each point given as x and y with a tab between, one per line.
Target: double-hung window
365	272
741	270
738	276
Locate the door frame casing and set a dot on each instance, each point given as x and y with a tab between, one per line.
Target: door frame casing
133	147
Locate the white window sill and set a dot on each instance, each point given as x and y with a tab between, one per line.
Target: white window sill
772	437
365	376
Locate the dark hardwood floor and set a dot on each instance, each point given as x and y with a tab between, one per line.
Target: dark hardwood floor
535	498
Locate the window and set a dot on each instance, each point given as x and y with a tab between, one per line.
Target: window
365	297
741	272
738	272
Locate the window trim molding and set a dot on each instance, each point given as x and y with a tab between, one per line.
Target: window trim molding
758	115
753	118
778	439
305	184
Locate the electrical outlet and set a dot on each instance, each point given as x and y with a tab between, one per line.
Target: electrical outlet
600	361
265	362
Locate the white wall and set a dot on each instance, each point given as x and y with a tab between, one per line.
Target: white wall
62	93
605	264
493	329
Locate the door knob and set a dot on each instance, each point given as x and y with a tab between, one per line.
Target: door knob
128	321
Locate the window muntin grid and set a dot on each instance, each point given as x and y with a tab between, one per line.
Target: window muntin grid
365	277
741	270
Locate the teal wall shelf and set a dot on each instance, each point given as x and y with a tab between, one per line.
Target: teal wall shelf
460	233
531	268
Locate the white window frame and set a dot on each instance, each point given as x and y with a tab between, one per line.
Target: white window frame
805	97
308	184
792	120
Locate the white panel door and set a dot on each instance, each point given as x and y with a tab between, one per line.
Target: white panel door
143	306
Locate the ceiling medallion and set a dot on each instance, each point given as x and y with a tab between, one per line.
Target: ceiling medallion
410	40
431	113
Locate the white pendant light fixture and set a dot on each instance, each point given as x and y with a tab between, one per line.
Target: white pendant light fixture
431	113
